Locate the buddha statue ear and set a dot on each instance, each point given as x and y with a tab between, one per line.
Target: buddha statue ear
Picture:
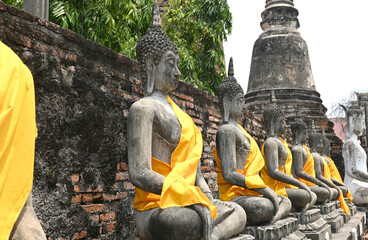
227	105
150	65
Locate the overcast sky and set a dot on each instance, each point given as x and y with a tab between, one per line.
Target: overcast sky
336	33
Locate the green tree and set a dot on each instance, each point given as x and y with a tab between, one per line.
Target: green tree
197	27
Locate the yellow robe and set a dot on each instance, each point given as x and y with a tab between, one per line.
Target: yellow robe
308	168
336	175
17	137
253	165
277	186
327	174
178	189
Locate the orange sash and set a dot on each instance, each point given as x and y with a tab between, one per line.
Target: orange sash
253	165
277	186
308	168
327	174
18	132
178	189
336	175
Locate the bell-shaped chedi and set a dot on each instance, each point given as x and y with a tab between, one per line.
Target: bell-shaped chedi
280	55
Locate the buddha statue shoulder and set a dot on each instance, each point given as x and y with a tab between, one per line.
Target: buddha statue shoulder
277	171
239	161
355	158
303	163
170	189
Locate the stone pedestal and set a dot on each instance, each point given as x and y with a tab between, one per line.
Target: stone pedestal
285	229
313	225
353	229
352	207
331	215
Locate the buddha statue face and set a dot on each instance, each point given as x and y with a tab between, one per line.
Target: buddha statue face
326	148
231	97
158	58
280	124
300	131
315	140
359	125
274	120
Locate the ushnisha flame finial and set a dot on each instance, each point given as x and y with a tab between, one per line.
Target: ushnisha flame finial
156	19
273	98
230	72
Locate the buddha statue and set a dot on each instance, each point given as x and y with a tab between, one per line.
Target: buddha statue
333	171
355	158
329	172
303	162
239	161
278	161
172	199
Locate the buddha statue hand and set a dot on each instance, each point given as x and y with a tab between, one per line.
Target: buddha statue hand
331	194
207	220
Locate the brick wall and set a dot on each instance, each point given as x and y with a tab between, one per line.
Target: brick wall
83	95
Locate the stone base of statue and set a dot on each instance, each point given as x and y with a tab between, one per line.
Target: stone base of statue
352	207
285	229
352	230
331	215
313	225
345	216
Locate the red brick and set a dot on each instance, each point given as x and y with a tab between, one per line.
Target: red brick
208	169
110	227
107	217
190	105
76	188
95	218
197	121
77	198
113	197
128	185
122	176
89	197
186	97
211	131
71	57
75	178
41	47
99	189
93	208
122	166
213	144
82	234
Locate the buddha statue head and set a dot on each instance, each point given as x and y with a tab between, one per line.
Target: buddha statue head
315	139
300	131
354	120
326	148
273	117
158	57
231	97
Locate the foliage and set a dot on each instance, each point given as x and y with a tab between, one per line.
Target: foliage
197	27
15	3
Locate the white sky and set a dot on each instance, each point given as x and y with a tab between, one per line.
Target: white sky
336	33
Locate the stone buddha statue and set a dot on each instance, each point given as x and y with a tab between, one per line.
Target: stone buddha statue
333	171
315	143
239	161
303	162
278	161
355	158
172	199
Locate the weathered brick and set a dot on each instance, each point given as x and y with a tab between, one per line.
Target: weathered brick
71	57
128	185
186	97
75	178
80	235
89	197
122	176
95	218
93	208
3	6
211	131
113	197
76	188
41	47
110	227
108	217
77	198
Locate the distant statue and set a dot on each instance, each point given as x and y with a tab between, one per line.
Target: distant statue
239	161
172	199
355	158
303	162
18	132
315	143
330	172
278	161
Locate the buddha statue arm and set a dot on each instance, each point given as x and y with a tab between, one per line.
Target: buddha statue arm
201	183
350	157
271	153
337	183
318	164
298	167
139	135
226	149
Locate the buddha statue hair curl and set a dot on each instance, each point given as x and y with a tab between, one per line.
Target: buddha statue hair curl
154	43
313	136
271	111
229	87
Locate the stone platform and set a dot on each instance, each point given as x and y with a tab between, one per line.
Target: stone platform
313	225
285	229
353	229
331	215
